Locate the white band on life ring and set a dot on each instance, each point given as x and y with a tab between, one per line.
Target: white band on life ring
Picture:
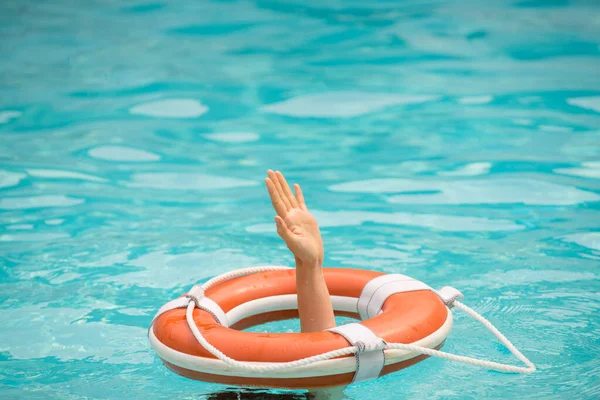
214	309
180	302
370	358
377	290
196	294
449	295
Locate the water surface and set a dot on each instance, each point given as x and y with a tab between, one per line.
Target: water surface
456	142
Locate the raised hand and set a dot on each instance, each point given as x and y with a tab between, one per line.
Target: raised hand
301	233
296	226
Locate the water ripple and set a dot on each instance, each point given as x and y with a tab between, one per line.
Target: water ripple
122	153
589	103
590	240
172	108
499	279
233	137
58	174
64	334
472	100
448	223
472	169
32	237
590	169
162	270
7	116
8	178
342	104
185	181
20	203
493	191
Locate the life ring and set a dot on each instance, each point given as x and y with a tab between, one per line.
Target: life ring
395	308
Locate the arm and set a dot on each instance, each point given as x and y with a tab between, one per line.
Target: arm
314	303
299	229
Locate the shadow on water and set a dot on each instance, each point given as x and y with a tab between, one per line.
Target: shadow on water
263	394
254	394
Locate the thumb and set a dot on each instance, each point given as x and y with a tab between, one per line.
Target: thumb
282	229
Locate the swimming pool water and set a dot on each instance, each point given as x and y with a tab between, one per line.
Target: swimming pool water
456	142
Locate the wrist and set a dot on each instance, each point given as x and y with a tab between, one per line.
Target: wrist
309	264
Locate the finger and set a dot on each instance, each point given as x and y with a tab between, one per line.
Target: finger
282	229
277	184
286	189
300	197
278	205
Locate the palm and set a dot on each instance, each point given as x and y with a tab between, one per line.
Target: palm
307	238
296	226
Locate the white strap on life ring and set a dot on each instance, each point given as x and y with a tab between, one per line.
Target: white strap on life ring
377	290
196	294
370	358
180	302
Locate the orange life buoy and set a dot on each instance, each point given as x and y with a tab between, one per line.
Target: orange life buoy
416	316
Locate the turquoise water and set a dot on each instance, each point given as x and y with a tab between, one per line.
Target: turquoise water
456	142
